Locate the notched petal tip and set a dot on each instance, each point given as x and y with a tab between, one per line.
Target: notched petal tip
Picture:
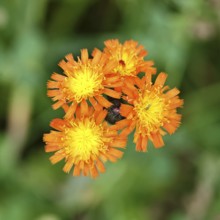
84	56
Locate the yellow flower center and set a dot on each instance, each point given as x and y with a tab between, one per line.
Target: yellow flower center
84	83
126	64
84	140
150	109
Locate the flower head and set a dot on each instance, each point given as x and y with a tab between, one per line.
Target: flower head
113	86
84	142
129	57
150	109
84	79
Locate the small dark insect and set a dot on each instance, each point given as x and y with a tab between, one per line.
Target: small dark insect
114	111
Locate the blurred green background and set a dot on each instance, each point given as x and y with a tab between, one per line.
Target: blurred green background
178	182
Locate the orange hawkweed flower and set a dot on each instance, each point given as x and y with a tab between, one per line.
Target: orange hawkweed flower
85	79
85	141
150	110
129	56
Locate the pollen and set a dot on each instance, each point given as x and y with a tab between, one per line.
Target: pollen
85	83
150	109
84	139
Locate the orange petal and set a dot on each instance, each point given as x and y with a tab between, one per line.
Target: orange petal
53	137
111	158
101	116
76	171
84	108
57	97
81	165
128	92
161	79
129	129
111	79
57	105
110	66
56	158
120	143
157	140
144	144
100	166
138	144
51	148
54	92
84	56
78	112
52	84
96	56
175	102
57	123
102	101
63	65
115	85
116	153
95	104
70	111
130	84
139	82
170	128
96	50
112	93
65	107
94	172
70	58
123	123
67	167
147	79
86	170
125	110
103	157
120	124
110	133
57	77
112	43
173	92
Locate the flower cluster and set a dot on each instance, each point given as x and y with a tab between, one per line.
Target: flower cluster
105	97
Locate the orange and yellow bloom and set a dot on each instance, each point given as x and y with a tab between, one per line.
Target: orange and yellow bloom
88	90
84	79
129	57
85	142
151	108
